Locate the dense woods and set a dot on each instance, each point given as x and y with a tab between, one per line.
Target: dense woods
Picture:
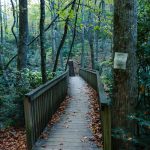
39	37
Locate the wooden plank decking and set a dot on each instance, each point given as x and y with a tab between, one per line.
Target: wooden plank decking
71	132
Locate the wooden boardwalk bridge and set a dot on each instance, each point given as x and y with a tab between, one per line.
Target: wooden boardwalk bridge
67	133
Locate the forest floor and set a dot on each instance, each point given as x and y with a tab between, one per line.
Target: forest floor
15	138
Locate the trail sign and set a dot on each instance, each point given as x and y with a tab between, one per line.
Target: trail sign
120	60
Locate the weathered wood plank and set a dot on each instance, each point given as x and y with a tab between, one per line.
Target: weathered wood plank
69	132
92	77
106	123
40	104
29	123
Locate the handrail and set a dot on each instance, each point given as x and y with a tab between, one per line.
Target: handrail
92	77
98	86
41	103
42	88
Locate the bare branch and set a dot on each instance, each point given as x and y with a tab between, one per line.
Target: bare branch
14	22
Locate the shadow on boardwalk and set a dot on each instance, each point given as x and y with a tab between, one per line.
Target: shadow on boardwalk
71	132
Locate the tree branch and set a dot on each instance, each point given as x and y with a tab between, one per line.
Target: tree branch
74	35
48	27
14	22
63	38
6	66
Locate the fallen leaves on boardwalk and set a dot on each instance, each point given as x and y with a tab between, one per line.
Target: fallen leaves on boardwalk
13	139
59	112
56	117
94	114
84	139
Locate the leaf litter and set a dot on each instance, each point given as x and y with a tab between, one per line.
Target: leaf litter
15	138
94	115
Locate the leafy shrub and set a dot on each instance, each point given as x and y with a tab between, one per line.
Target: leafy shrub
13	86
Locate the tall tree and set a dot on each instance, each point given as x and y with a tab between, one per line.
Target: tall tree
64	36
58	37
102	24
73	36
96	33
1	22
23	35
14	22
17	15
53	28
125	81
5	18
83	31
91	38
43	52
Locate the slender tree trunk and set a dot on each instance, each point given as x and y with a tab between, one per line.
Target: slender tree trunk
111	11
96	33
43	52
23	35
53	15
90	39
63	37
1	22
5	19
61	59
1	63
17	16
58	37
74	35
83	22
96	46
125	81
14	22
103	24
103	16
92	52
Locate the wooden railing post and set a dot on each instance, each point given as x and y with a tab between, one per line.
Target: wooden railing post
29	123
106	126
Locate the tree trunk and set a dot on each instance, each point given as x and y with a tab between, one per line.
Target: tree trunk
82	52
1	22
102	51
58	38
17	17
23	35
53	15
5	19
125	81
63	37
43	52
96	33
1	63
73	36
14	22
90	39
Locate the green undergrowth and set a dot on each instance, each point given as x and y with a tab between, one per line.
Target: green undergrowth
13	86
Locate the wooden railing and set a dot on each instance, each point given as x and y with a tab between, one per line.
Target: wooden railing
40	104
92	77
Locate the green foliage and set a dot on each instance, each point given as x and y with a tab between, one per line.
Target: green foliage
143	54
107	77
34	78
13	86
